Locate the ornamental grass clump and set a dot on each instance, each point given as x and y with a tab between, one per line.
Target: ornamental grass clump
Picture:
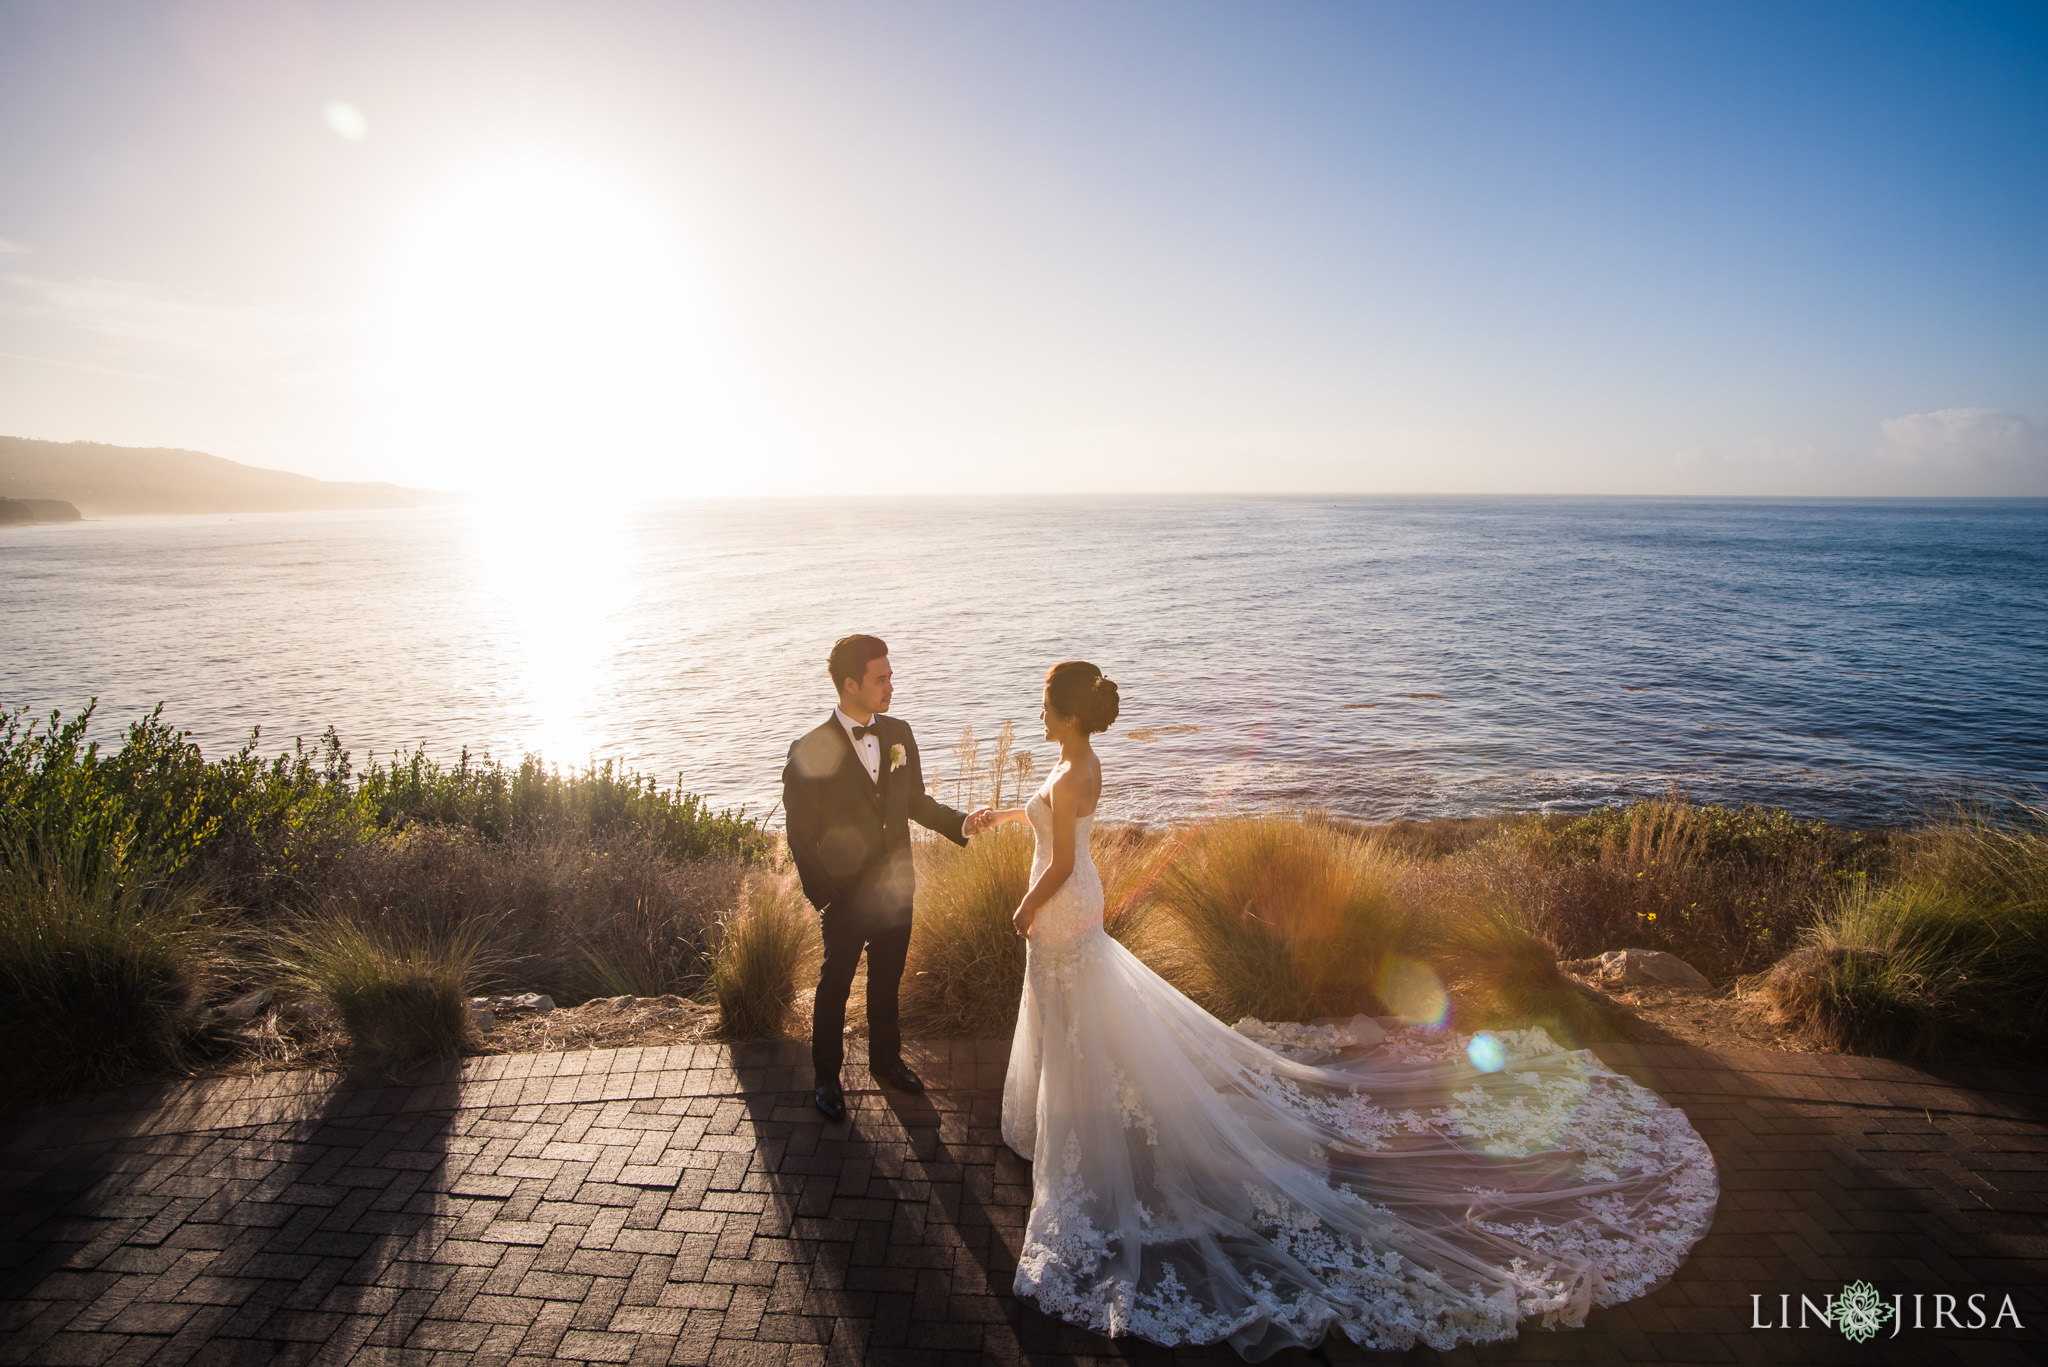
1495	967
965	973
1952	953
400	988
99	979
1280	917
766	946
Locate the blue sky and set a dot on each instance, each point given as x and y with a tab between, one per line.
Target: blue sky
938	248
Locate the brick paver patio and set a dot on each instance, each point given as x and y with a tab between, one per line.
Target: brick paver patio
686	1205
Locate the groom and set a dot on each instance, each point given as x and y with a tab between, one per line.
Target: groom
850	790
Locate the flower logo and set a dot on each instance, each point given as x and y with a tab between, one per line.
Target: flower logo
1860	1312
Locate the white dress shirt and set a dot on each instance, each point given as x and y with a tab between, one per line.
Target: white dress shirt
868	747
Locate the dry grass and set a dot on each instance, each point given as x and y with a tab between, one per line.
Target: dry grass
765	948
568	915
1426	840
1952	954
1283	918
99	982
1132	862
605	1023
1855	999
1497	969
401	989
966	966
1728	890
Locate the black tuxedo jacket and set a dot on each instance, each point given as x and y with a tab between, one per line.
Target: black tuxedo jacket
850	836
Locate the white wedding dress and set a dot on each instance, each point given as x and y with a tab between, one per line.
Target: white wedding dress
1190	1185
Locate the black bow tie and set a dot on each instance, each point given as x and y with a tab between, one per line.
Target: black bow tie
863	732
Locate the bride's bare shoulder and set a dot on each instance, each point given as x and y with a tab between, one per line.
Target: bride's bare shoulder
1077	788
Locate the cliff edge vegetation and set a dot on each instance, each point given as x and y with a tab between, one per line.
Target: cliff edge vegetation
162	911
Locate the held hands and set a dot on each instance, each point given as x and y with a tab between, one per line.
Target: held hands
978	821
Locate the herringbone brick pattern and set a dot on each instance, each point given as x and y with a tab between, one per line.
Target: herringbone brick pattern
687	1205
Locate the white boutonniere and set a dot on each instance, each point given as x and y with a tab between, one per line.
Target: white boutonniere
897	759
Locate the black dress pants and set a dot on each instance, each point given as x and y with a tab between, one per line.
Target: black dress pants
886	950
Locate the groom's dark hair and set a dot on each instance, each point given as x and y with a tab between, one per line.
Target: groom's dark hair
851	656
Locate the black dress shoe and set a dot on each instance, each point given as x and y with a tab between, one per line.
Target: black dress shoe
831	1101
897	1075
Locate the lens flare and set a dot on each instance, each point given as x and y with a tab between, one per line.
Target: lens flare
347	121
1414	992
1487	1053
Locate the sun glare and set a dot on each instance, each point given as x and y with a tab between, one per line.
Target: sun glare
544	345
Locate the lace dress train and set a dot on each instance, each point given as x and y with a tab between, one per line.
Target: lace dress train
1191	1185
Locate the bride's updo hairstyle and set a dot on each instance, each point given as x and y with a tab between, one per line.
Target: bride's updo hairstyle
1079	690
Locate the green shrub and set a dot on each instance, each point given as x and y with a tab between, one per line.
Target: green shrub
263	834
499	801
139	815
99	981
766	946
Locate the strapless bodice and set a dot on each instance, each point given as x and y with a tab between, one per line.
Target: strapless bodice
1076	908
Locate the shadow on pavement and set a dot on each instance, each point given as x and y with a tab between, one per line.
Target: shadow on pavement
266	1217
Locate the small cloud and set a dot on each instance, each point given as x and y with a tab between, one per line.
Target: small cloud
1966	438
7	246
1965	452
347	121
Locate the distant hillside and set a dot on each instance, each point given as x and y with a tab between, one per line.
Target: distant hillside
117	481
15	512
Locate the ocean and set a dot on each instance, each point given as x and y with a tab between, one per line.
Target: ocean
1373	657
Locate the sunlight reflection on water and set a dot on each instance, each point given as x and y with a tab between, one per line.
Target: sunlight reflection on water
1375	657
553	584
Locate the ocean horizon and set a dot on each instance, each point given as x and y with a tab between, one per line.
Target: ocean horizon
1373	656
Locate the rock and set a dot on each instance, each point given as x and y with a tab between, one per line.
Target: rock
1650	968
1362	1032
484	1021
246	1006
312	1010
523	1001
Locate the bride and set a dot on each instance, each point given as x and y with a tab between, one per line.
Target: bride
1190	1185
